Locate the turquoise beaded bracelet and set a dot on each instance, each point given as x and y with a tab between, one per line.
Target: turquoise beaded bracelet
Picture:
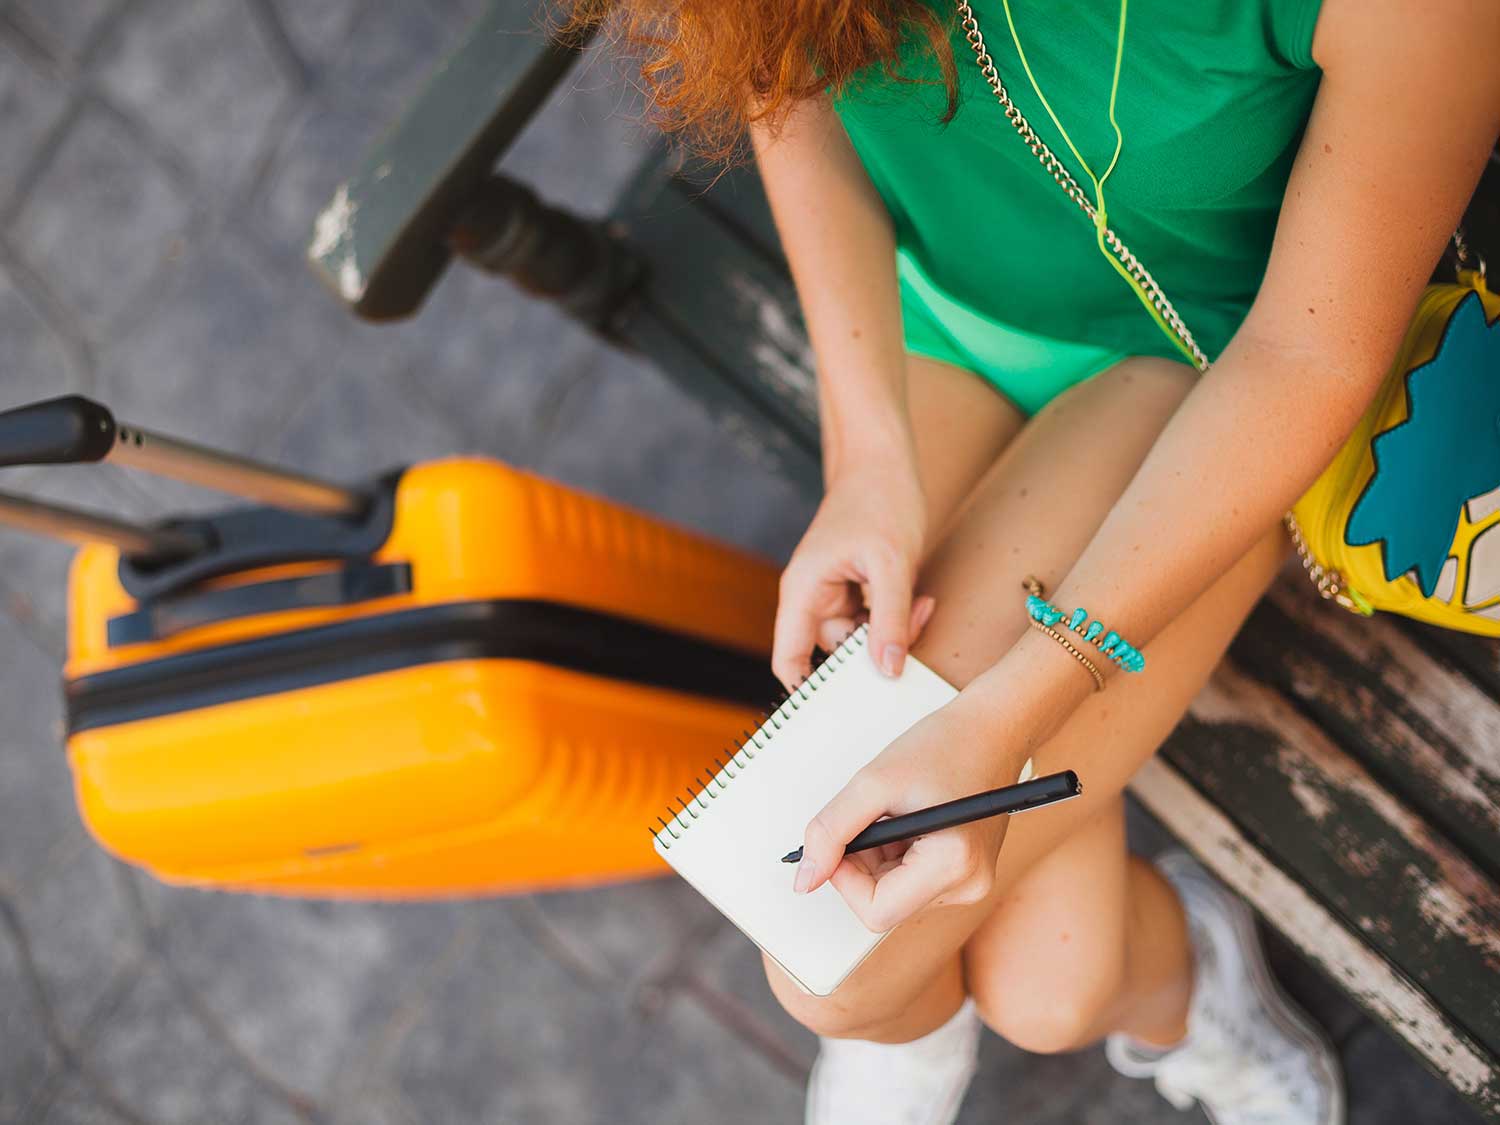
1110	643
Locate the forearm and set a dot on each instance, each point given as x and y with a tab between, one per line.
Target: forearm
1371	198
1247	441
838	240
1245	444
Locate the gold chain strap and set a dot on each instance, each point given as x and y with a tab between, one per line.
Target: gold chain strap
1330	583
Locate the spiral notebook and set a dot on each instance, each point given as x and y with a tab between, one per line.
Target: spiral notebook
728	840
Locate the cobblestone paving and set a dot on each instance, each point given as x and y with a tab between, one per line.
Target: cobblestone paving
160	164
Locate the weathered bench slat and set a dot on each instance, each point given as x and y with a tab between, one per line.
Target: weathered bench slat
1414	900
1424	686
742	421
736	198
1425	728
382	242
1379	987
1479	657
738	308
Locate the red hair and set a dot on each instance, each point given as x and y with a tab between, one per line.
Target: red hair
711	67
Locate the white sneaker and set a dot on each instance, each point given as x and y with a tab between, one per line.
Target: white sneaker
1250	1056
917	1083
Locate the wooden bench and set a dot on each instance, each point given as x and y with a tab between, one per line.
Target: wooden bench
1342	774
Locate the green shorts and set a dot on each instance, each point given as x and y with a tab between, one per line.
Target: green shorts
1029	370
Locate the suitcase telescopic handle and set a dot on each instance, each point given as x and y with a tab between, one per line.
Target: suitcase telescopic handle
74	525
75	430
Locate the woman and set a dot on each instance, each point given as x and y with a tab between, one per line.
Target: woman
996	403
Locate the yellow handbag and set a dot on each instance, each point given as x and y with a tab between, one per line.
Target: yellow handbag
1403	518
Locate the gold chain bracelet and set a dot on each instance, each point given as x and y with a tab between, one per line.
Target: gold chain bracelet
1088	665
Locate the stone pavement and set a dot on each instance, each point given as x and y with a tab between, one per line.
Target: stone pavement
160	165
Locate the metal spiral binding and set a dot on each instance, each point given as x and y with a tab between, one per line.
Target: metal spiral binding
678	821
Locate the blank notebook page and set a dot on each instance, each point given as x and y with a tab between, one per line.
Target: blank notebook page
729	840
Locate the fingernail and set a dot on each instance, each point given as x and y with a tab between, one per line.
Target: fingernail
804	878
890	660
924	612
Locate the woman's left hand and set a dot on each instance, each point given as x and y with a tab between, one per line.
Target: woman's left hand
958	750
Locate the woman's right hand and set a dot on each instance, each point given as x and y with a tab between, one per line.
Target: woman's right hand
857	560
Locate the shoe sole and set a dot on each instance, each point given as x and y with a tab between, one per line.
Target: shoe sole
1283	1010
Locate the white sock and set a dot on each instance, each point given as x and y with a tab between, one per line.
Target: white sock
939	1042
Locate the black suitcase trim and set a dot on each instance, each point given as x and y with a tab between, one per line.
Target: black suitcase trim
566	636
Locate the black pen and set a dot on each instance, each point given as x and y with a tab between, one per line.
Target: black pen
1031	794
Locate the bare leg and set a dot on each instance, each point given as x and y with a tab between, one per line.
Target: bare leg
1033	513
960	425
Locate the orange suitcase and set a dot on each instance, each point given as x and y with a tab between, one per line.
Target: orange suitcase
460	679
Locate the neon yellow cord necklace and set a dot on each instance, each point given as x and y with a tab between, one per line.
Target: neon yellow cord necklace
1101	215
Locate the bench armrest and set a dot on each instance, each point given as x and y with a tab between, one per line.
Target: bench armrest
381	243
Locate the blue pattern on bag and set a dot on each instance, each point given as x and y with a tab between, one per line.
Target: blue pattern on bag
1445	453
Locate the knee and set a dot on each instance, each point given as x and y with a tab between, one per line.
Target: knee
1047	1012
834	1017
822	1015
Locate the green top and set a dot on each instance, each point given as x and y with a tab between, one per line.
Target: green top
1213	98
